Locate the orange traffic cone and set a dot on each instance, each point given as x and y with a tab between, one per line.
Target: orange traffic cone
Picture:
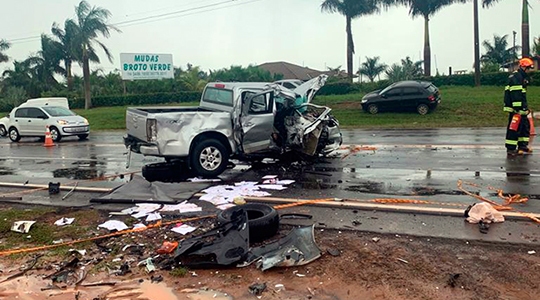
48	138
532	131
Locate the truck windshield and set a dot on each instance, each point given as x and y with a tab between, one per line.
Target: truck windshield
58	111
219	96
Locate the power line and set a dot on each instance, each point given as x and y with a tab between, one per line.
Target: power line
155	18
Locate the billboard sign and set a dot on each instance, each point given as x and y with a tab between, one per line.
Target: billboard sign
142	66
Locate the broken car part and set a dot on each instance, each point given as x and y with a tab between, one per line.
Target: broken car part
296	249
222	246
263	220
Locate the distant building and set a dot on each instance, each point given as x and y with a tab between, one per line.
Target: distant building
290	71
514	65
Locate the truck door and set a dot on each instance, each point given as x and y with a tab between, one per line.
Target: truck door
257	121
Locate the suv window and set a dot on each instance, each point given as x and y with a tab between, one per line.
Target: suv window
411	91
21	113
289	85
219	96
260	104
36	113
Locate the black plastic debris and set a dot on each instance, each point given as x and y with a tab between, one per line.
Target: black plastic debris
224	245
54	188
156	279
333	251
124	269
483	227
453	278
257	289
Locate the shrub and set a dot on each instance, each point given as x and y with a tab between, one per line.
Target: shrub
141	99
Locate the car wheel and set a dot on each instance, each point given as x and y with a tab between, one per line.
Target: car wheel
209	158
3	131
422	109
14	134
55	134
373	109
263	220
83	136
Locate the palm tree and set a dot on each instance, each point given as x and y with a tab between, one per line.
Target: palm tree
498	52
372	68
425	9
408	70
91	21
536	47
4	45
351	9
525	37
70	52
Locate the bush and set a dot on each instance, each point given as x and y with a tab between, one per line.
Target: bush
141	99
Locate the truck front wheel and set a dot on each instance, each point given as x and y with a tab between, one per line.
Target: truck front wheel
209	158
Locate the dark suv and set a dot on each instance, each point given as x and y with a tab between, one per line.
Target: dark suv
419	96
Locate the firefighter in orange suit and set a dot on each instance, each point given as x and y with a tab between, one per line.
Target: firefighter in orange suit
515	103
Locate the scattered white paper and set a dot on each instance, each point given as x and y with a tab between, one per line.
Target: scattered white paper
225	206
277	187
139	226
531	252
183	229
64	221
285	182
197	179
22	226
114	225
270	177
153	217
140	214
129	211
81	252
182	207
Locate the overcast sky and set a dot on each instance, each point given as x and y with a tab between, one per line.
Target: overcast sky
243	32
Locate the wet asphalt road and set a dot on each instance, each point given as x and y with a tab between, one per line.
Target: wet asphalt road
396	169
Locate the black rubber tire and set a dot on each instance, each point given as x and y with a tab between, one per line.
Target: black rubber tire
263	220
57	134
166	172
422	109
3	131
373	109
82	137
14	135
217	148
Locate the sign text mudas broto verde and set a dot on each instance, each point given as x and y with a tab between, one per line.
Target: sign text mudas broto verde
137	66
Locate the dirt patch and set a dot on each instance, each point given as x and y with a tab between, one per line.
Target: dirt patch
359	267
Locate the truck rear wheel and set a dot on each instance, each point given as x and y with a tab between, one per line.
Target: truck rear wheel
209	158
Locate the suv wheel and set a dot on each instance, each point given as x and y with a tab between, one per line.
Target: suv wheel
373	109
422	109
209	158
14	134
55	134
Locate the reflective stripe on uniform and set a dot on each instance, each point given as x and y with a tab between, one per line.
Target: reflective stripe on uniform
508	109
516	103
507	88
523	139
516	88
523	112
511	142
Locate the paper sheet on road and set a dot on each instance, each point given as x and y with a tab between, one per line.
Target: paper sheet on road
64	221
183	207
153	217
114	225
183	229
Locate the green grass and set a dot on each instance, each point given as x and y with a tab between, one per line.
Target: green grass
461	106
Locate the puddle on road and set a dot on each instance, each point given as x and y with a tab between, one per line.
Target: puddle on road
6	171
76	173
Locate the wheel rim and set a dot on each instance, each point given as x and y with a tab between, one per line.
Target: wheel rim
54	134
422	109
13	134
210	158
373	109
2	131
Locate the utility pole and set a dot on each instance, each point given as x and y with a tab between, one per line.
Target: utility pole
476	45
515	54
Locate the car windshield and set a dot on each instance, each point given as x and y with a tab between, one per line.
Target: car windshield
58	111
220	96
387	89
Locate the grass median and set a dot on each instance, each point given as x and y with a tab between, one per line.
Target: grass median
461	106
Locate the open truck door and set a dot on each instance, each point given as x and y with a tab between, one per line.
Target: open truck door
257	121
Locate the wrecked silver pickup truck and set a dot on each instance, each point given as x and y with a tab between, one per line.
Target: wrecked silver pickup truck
241	120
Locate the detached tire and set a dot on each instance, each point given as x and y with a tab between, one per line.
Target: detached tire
209	158
263	220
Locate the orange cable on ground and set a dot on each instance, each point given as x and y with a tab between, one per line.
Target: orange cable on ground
355	149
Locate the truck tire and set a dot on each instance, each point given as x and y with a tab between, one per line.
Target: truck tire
165	172
263	220
209	158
